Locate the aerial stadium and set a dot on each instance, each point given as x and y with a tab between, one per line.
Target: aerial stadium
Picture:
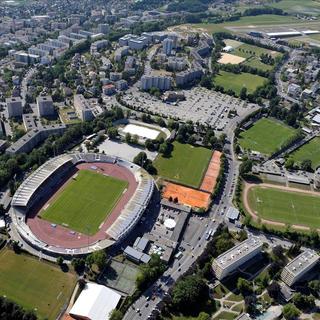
78	203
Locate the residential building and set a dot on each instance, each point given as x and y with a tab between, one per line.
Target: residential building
229	261
82	107
45	106
298	267
294	90
187	76
167	46
163	83
103	28
14	107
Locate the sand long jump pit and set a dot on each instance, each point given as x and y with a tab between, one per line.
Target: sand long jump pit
230	58
141	131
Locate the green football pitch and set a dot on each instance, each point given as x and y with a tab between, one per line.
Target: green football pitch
187	164
285	206
266	136
85	202
35	285
309	151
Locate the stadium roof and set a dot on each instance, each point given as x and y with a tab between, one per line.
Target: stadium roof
34	181
95	302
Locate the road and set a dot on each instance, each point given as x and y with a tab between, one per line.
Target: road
150	301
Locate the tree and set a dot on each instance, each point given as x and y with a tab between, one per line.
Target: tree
189	292
60	261
314	286
289	164
140	159
78	265
112	132
149	272
165	148
245	167
116	315
99	258
243	93
274	290
278	253
290	312
244	286
306	165
303	302
128	137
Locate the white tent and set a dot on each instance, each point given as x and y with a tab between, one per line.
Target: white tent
95	302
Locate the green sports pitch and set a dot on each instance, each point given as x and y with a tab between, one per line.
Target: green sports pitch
85	202
187	164
266	136
309	151
285	206
35	285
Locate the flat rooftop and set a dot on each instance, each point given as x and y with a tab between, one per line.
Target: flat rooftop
302	262
238	252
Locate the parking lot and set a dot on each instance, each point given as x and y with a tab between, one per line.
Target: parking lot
201	105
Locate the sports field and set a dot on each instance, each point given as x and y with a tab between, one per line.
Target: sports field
236	82
265	136
309	151
187	164
85	202
252	54
33	284
285	206
309	7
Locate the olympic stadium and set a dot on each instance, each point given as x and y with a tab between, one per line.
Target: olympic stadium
78	203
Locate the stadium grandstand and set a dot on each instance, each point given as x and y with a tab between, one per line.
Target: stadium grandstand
43	182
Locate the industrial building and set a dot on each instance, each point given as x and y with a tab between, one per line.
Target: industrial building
45	106
163	83
14	107
229	261
297	268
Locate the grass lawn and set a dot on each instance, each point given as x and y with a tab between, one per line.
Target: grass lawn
85	201
220	291
252	53
285	206
310	7
225	315
236	82
309	151
34	284
235	297
187	164
266	136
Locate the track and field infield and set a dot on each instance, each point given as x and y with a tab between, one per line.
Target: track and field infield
286	206
186	164
35	285
266	136
187	196
235	82
85	201
309	151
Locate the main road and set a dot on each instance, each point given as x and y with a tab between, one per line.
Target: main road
151	300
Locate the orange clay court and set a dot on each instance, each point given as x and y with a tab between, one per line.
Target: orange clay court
187	196
210	179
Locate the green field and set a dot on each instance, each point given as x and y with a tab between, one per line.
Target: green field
236	82
187	164
284	206
309	7
85	202
252	54
265	136
309	151
35	285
